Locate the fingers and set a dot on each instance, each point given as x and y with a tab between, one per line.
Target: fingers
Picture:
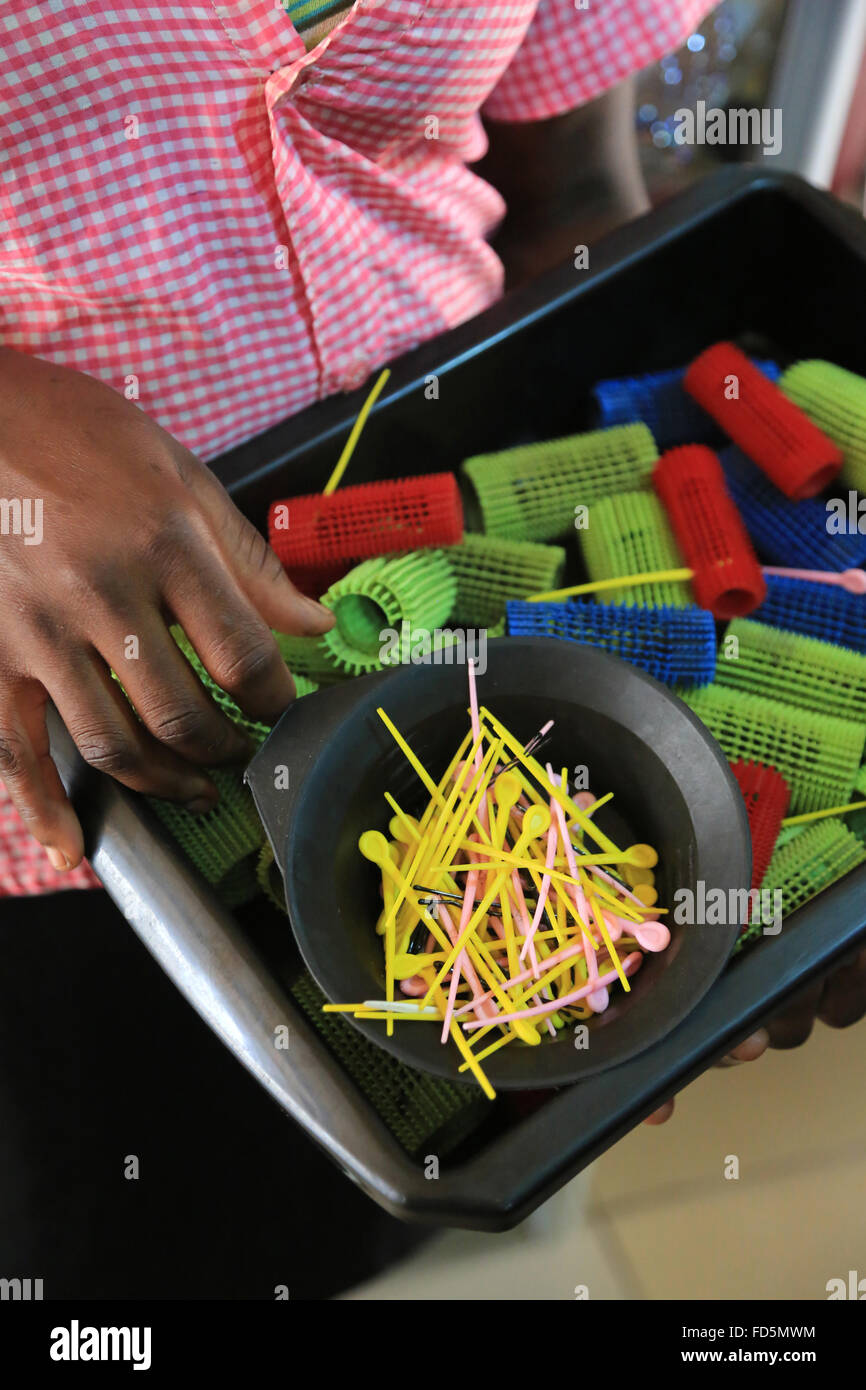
270	590
235	645
31	778
839	1001
662	1115
168	696
749	1050
257	569
111	739
793	1026
843	1001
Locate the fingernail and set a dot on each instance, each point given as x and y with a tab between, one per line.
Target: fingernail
319	618
198	805
757	1044
58	858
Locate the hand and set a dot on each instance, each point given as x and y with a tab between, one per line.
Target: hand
566	181
748	1051
128	532
838	1001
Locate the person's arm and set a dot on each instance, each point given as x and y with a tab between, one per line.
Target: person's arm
134	534
565	180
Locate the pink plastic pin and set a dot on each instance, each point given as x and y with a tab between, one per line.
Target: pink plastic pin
630	965
550	855
852	580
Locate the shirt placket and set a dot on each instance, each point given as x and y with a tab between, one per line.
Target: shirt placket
334	247
329	251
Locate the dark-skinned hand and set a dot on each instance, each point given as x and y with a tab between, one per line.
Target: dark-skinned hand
137	534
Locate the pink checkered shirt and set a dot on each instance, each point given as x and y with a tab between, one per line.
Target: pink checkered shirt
202	214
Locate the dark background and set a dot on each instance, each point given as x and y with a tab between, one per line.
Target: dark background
100	1057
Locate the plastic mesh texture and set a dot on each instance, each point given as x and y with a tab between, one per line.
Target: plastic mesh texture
530	493
768	427
659	401
413	1105
219	840
239	885
269	878
818	610
310	658
223	842
489	570
629	533
788	833
766	795
798	670
803	868
384	594
818	755
357	522
787	533
727	576
676	645
835	400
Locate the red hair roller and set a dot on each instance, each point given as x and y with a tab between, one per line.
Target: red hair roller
766	794
315	582
726	577
321	532
798	457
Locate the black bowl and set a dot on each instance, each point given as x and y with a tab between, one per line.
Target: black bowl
672	788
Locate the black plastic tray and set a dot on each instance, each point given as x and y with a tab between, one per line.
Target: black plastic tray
765	259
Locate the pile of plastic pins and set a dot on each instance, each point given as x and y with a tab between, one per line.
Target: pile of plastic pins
506	911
